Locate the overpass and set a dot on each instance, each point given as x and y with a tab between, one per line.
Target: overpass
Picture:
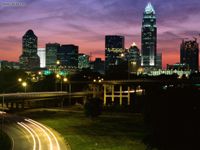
111	91
9	100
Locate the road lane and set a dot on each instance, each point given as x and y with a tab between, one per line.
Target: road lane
29	131
48	130
21	138
28	134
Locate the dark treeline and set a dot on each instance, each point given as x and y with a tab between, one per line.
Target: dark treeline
8	80
172	118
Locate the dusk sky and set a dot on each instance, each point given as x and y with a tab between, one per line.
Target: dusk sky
86	22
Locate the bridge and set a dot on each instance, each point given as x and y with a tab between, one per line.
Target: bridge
110	91
18	100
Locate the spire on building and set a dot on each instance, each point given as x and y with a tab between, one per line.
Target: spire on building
149	9
134	44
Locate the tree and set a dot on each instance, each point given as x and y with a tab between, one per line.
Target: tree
93	107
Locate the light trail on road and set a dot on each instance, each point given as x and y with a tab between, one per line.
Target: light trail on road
34	132
34	141
29	134
56	140
50	141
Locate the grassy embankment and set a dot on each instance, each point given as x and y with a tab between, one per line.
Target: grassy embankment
111	131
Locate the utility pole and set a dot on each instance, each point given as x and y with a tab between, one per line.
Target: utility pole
70	90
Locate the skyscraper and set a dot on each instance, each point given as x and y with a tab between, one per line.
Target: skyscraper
134	59
51	54
42	54
159	61
29	58
114	48
149	37
68	56
190	54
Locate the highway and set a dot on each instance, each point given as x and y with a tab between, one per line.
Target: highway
27	134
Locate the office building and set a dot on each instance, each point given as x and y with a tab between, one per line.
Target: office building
29	59
98	65
114	51
68	56
190	54
51	54
134	58
6	65
149	37
42	54
159	61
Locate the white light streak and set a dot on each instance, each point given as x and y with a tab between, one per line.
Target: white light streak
51	144
34	141
39	142
30	120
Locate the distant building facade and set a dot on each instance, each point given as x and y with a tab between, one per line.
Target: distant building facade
159	61
51	54
134	58
190	54
114	51
4	65
68	56
98	65
149	37
178	66
180	73
42	54
83	61
29	59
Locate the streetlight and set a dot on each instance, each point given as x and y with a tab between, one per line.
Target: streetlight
24	84
57	62
19	79
65	79
57	77
61	82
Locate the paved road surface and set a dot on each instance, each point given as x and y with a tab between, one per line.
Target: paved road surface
27	134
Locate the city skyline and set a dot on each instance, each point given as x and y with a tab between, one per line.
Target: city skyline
73	23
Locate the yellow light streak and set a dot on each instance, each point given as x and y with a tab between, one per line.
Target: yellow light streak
58	146
34	142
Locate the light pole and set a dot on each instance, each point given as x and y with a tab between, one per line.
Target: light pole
24	84
61	81
57	77
3	103
70	90
65	80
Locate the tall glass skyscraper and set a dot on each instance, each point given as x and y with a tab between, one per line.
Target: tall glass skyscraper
29	59
149	37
